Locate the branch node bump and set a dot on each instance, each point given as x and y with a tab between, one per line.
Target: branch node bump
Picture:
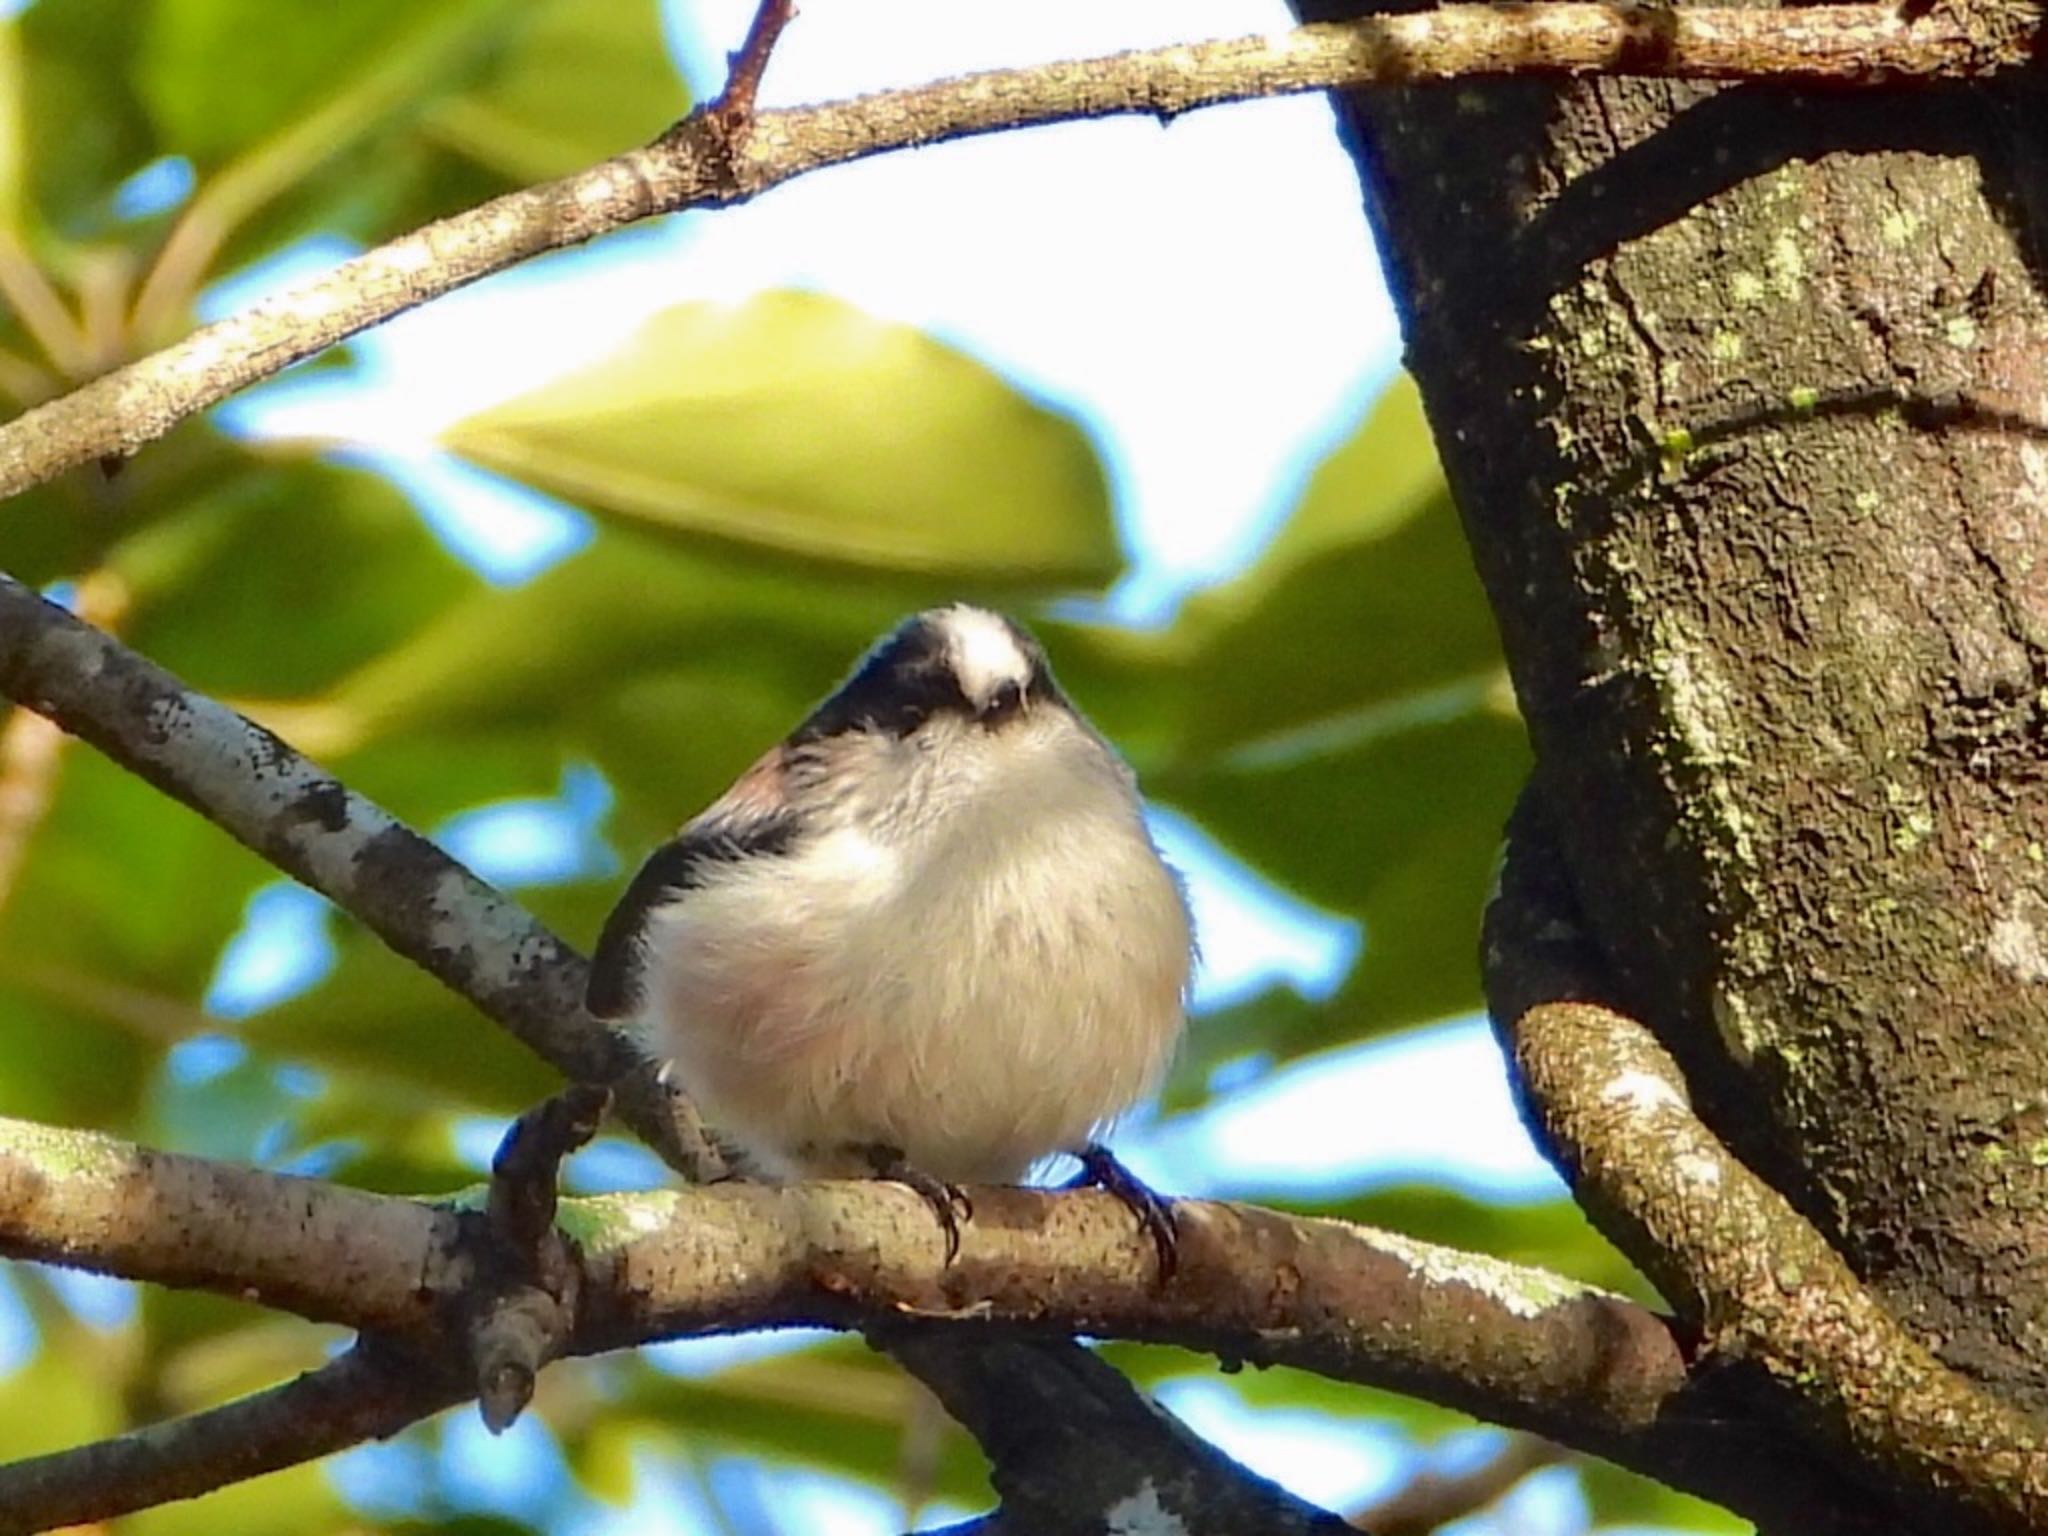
521	1311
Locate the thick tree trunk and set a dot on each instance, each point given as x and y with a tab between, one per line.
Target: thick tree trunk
1743	394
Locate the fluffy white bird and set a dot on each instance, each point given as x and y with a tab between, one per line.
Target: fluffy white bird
927	937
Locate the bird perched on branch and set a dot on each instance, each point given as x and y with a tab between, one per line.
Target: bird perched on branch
926	938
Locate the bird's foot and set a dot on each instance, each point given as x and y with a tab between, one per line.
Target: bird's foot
949	1202
1100	1169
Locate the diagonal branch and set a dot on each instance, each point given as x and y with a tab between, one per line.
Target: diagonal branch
424	904
1034	1414
367	1393
1761	1284
716	158
1432	1499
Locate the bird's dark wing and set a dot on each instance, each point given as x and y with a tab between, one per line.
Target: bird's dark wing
752	819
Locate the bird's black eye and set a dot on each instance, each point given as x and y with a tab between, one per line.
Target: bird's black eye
1002	704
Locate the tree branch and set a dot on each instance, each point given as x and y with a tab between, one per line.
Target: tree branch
1432	1499
367	1393
1510	1342
1042	1416
745	68
1764	1288
1517	1345
1513	1345
425	905
714	158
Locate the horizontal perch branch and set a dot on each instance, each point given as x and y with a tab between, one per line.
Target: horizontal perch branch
1517	1345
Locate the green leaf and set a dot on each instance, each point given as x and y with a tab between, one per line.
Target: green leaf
836	1406
223	76
54	530
1138	686
63	1397
13	128
505	659
1618	1497
228	1115
1399	828
1365	604
83	129
96	1078
280	577
1279	1023
1339	717
108	937
573	83
383	1018
298	1501
796	424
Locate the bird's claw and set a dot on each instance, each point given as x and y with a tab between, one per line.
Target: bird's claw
1101	1169
948	1202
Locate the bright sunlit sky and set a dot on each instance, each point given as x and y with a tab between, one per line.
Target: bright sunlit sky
1203	294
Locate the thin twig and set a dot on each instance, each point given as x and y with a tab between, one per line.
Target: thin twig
522	1310
698	164
745	68
40	308
366	1394
1432	1499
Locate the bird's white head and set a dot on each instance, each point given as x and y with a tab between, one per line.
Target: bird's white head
986	652
958	663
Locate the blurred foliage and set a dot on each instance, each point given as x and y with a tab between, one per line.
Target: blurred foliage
772	485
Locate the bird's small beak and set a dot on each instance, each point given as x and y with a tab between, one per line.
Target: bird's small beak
1005	704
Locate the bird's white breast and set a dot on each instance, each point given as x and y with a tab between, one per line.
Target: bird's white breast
979	959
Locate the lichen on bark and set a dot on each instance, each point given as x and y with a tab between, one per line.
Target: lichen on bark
1743	394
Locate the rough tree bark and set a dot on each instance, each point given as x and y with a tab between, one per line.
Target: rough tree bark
1743	394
